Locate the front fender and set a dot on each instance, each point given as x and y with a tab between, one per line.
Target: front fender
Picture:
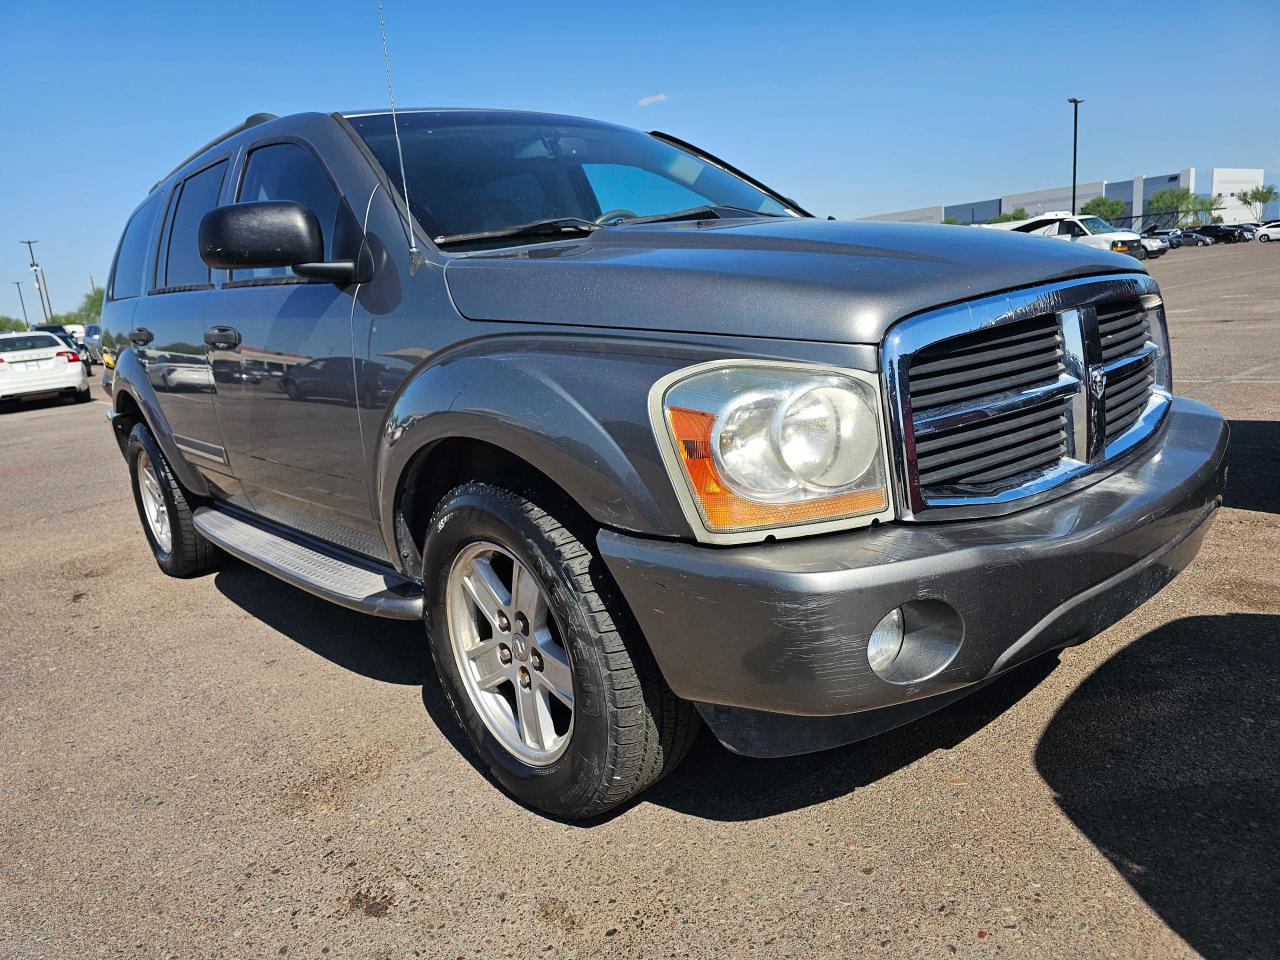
574	408
130	378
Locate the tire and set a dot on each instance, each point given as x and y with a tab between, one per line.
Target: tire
1264	239
188	553
627	729
1142	253
292	390
84	396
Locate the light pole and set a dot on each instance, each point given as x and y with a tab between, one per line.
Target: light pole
1075	144
46	305
25	321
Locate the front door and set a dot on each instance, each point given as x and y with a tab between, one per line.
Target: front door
286	393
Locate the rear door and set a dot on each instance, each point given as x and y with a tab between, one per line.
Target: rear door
172	316
294	440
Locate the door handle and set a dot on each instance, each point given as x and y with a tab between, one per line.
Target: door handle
141	336
223	338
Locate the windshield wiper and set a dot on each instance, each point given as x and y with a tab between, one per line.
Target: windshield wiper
552	228
699	213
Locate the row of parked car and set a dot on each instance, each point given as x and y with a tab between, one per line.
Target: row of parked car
1207	234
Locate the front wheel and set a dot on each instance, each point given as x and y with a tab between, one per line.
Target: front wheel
1263	238
539	660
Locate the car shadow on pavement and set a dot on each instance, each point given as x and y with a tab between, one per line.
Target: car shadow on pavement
1253	466
718	785
1168	759
392	651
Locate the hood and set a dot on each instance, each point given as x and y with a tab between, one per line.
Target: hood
799	279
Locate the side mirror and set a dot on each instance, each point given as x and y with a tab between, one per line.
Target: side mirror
271	233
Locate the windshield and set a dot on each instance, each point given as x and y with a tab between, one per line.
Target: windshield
1096	225
483	171
38	341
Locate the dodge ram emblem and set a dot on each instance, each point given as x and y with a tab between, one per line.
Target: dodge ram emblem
1098	382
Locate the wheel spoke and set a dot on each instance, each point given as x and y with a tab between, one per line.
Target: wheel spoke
489	668
486	590
534	728
556	675
527	596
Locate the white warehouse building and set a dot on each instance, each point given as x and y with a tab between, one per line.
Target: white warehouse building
1134	192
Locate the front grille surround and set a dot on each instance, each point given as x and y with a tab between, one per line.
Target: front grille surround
999	403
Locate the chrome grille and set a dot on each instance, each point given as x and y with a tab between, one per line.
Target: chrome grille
998	402
966	373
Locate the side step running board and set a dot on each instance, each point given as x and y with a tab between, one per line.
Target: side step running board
333	575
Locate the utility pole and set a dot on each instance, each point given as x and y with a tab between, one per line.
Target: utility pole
25	321
1075	145
46	306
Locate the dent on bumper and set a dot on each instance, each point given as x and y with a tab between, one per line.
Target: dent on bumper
782	628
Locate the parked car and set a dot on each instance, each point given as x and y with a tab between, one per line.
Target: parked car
1248	229
36	364
1171	237
1086	230
1269	232
75	348
93	342
1192	237
1155	246
1222	233
654	448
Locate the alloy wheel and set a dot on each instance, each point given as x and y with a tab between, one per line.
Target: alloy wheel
153	505
510	652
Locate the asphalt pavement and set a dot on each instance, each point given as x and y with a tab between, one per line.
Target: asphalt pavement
228	767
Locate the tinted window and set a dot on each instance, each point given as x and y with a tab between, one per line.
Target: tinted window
470	172
199	195
38	341
131	258
287	171
633	190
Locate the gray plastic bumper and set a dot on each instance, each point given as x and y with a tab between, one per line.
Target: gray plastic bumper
782	628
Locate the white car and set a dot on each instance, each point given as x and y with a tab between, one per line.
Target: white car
1269	232
1155	246
1089	230
39	364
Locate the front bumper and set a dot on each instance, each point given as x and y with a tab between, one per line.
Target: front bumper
770	639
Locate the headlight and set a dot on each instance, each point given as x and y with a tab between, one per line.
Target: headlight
757	446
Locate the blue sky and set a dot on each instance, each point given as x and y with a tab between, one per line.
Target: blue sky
851	108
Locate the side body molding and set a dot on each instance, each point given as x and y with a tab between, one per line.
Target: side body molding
131	378
572	407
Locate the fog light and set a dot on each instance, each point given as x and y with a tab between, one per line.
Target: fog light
915	641
886	641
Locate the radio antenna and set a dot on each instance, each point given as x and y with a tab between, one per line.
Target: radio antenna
415	257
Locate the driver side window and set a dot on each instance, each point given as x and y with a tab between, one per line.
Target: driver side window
619	187
288	171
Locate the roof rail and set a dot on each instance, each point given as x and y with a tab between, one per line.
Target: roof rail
251	121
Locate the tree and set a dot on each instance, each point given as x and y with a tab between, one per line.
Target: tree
1017	213
89	311
1180	205
1257	198
11	324
1105	207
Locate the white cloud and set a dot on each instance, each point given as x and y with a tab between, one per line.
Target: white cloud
648	101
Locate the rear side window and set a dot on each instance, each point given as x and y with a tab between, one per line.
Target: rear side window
37	341
288	171
198	195
131	258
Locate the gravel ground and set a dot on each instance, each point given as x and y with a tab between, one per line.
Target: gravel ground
226	767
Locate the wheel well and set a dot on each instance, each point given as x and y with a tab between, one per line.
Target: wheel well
128	413
439	468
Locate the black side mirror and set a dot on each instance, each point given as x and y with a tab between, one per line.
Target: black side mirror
271	233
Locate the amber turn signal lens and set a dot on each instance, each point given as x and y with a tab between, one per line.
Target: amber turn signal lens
722	509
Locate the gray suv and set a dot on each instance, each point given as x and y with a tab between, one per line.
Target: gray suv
644	444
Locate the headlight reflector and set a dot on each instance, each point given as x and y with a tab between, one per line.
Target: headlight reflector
764	446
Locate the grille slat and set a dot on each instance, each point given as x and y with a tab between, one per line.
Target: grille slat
932	443
974	370
1002	442
1124	328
